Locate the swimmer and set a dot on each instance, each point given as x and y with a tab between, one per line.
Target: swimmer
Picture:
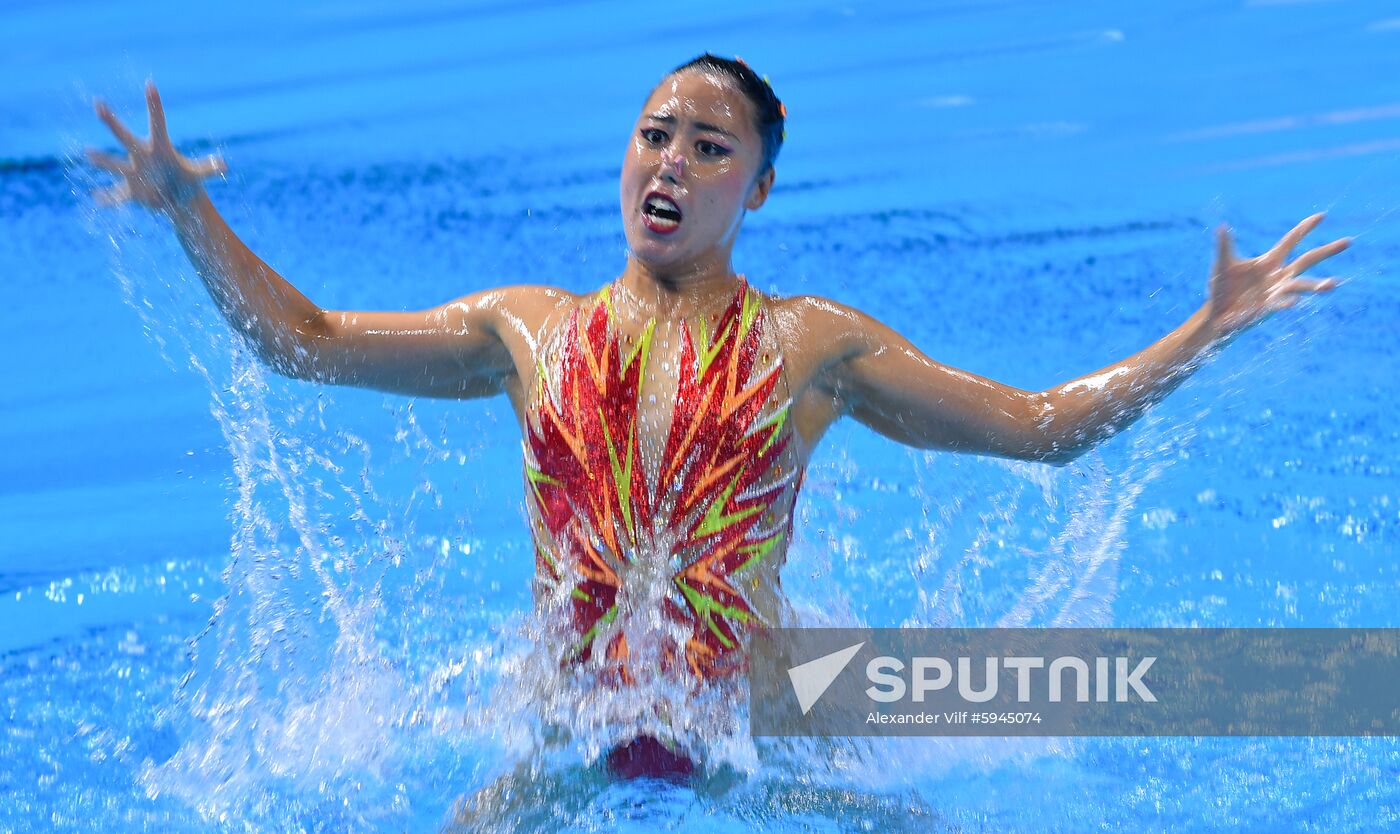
667	417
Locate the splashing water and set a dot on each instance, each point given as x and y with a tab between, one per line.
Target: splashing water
336	687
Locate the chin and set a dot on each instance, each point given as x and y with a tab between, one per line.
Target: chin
654	259
653	252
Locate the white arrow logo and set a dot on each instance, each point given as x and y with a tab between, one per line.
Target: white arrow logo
812	678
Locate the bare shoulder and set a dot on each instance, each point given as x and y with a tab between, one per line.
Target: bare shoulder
522	299
812	309
528	308
820	329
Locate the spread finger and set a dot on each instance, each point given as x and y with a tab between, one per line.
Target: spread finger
159	135
107	162
118	129
1299	285
1224	248
1313	257
209	166
1295	236
112	195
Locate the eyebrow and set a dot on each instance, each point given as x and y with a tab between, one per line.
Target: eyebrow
670	120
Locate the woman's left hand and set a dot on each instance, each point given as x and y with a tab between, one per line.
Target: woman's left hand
1245	292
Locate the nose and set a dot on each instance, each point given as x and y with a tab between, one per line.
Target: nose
672	166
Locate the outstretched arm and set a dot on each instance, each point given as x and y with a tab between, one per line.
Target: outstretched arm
886	383
454	350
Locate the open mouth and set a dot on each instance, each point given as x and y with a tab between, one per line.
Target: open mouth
660	214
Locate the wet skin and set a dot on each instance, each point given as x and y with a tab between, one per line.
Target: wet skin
696	141
694	144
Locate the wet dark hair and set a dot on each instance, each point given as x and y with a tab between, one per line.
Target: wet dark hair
769	113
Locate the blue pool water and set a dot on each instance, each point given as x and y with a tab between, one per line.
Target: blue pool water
233	602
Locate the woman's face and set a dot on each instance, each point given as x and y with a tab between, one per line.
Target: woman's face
690	171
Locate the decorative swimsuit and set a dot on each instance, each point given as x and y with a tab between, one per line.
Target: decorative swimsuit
691	517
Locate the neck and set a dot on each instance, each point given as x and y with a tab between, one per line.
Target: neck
677	294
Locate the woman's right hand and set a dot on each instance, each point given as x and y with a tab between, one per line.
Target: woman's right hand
153	174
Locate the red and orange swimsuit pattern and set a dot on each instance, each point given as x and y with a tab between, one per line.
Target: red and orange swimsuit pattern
708	512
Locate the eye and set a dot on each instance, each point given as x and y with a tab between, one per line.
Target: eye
709	148
653	136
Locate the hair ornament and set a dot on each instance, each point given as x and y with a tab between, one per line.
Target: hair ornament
782	108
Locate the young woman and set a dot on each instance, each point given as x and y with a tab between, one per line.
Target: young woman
668	416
